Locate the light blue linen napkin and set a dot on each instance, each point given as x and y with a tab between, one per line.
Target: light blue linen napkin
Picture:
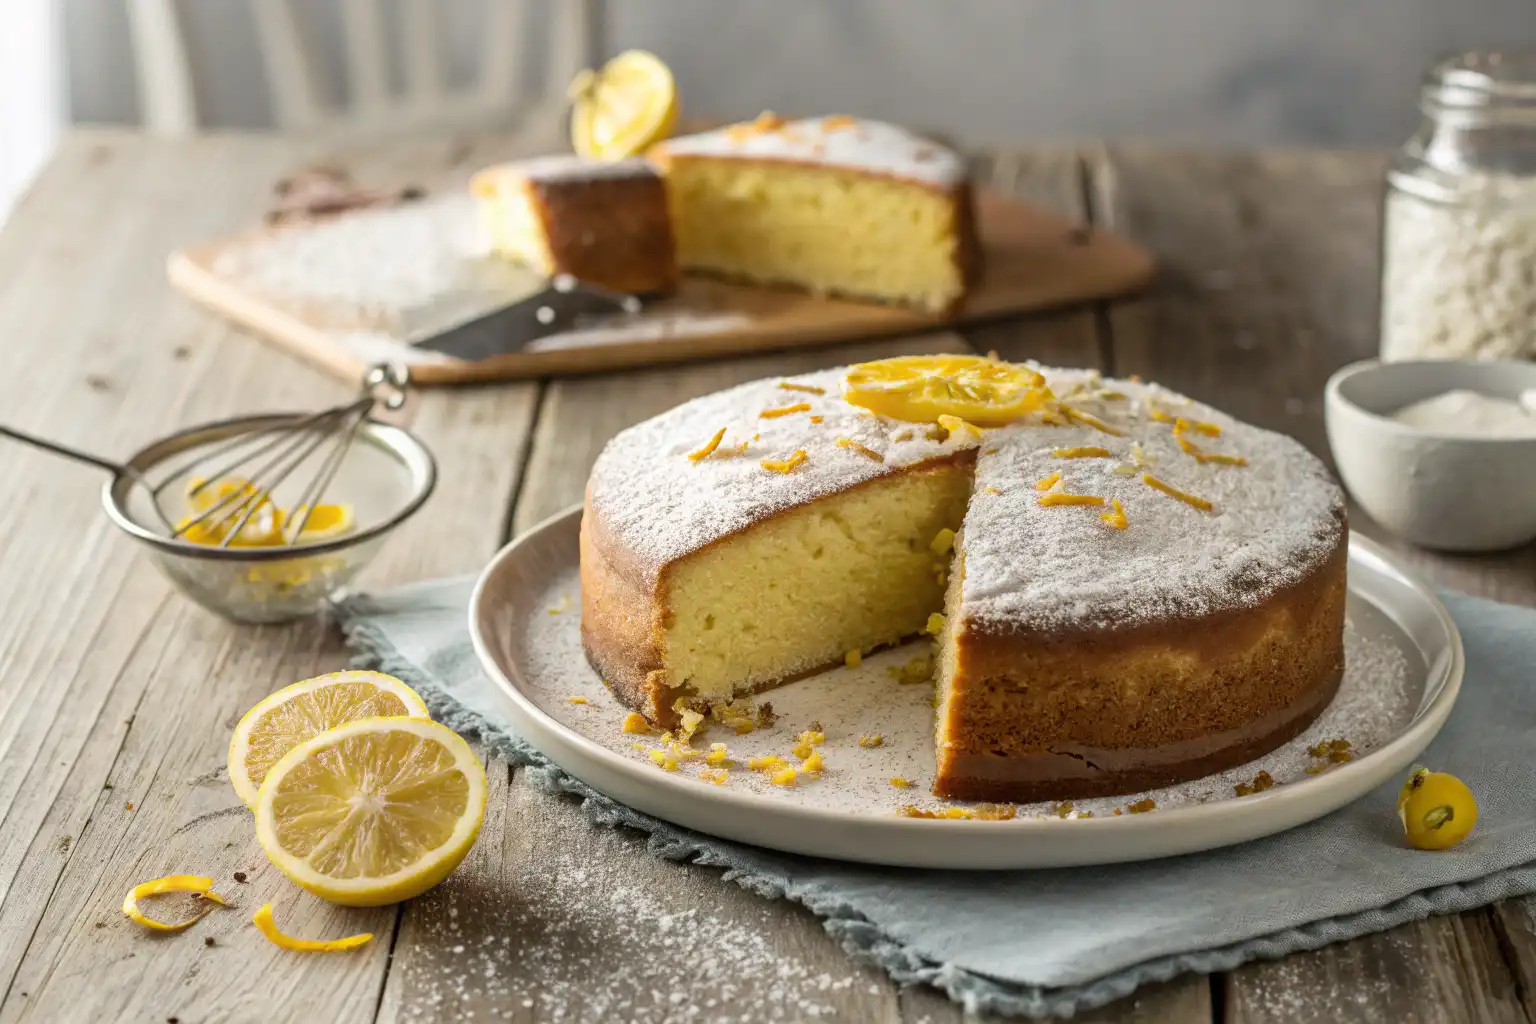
1047	943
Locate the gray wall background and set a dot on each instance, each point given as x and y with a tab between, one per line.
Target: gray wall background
1217	72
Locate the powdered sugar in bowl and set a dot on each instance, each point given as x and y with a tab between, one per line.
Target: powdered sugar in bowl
1439	467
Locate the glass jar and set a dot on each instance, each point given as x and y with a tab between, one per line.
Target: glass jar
1459	218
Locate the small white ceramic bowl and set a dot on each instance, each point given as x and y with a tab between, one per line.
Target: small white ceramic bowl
1441	490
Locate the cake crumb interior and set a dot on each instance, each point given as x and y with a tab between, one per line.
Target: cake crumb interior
798	592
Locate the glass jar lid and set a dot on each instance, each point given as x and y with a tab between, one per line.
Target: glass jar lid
1482	81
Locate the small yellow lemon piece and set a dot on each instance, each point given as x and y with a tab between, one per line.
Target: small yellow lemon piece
295	713
372	812
199	884
1437	810
921	389
325	522
268	927
623	108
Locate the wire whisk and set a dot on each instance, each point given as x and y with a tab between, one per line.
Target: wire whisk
251	466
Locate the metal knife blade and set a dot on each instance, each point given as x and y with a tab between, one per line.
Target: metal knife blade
560	306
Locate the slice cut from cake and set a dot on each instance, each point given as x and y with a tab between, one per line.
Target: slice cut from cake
602	222
834	205
1141	589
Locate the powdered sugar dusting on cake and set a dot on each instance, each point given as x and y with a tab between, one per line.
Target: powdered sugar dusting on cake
660	505
1274	520
872	146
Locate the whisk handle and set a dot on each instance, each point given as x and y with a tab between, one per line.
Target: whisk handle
74	454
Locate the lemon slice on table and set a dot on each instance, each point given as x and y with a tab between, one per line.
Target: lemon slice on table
920	389
295	713
624	107
372	812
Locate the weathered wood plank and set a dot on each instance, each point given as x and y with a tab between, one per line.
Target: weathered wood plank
1445	969
1177	1002
144	687
1268	283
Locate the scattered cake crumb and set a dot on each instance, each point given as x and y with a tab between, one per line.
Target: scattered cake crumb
871	742
1142	806
1260	783
576	700
813	764
901	783
635	722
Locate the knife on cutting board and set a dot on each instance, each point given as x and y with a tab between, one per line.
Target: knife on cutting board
563	304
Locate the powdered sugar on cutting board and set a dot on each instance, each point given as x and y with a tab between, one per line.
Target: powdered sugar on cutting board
1381	692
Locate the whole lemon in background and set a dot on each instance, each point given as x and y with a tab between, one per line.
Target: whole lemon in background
624	108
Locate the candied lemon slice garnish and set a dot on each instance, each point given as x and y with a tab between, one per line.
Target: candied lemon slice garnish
268	927
920	389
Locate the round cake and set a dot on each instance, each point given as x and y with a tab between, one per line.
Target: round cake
1126	589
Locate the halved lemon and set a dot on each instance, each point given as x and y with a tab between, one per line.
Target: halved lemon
625	107
920	389
295	713
372	812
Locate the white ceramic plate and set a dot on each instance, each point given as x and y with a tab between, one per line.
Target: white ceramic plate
1403	670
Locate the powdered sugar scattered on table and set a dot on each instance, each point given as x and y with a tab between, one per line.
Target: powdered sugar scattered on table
528	952
1381	692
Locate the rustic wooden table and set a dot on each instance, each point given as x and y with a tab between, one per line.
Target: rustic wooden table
117	697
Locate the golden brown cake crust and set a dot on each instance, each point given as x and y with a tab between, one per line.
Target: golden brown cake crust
609	231
1103	713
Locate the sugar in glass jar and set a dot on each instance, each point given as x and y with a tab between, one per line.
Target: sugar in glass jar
1459	221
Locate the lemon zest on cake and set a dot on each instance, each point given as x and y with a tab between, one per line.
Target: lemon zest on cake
1048	482
635	722
773	414
1187	446
1198	426
1090	420
838	122
871	742
1158	416
710	446
868	453
785	465
576	700
943	542
956	425
905	435
1062	498
901	783
1084	452
853	658
817	419
993	490
936	623
1220	459
809	389
1116	518
1173	492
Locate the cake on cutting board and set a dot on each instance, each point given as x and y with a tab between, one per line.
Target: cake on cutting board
835	205
1127	589
603	222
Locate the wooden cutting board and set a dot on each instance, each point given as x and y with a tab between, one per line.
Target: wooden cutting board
353	290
